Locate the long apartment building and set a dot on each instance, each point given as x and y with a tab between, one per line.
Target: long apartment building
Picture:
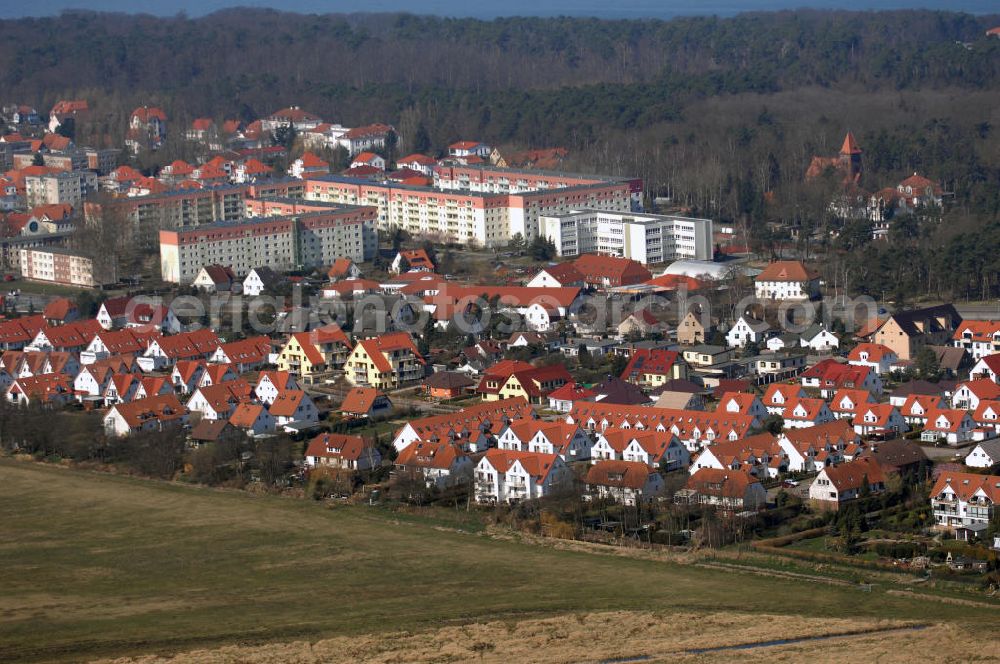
57	266
467	210
646	238
281	243
190	208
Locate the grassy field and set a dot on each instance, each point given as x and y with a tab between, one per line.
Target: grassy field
95	565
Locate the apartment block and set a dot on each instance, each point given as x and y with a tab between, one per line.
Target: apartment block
646	238
57	266
69	187
487	218
279	242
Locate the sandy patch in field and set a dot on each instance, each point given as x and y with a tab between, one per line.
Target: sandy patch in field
600	636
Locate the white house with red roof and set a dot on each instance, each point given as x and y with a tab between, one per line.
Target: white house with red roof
829	375
987	417
556	276
440	464
272	383
337	450
291	116
367	137
252	418
987	367
968	394
787	280
625	482
368	159
471	427
651	447
778	395
469	149
876	356
217	402
881	419
914	410
217	373
979	338
308	164
845	402
814	448
506	476
806	412
410	260
569	441
836	485
418	162
744	403
53	389
728	489
245	355
562	398
759	455
952	425
965	502
147	128
153	414
918	191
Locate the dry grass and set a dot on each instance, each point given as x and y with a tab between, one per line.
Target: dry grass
612	635
93	565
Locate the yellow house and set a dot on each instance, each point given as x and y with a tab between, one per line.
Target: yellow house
654	367
310	353
905	333
691	330
384	362
511	379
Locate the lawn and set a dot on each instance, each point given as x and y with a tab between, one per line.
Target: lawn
98	565
42	288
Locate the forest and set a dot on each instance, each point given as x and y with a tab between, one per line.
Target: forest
718	116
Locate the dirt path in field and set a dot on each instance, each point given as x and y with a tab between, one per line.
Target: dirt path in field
621	636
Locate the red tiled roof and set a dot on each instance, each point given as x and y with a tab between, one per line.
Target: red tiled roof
424	454
851	475
787	271
202	124
368	130
564	273
618	271
649	361
359	400
59	309
721	483
421	159
337	446
876	352
293	114
147	113
965	485
850	146
164	408
978	330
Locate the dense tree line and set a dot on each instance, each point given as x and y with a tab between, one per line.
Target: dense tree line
719	116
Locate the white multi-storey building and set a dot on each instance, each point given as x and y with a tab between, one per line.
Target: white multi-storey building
485	209
278	242
646	238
